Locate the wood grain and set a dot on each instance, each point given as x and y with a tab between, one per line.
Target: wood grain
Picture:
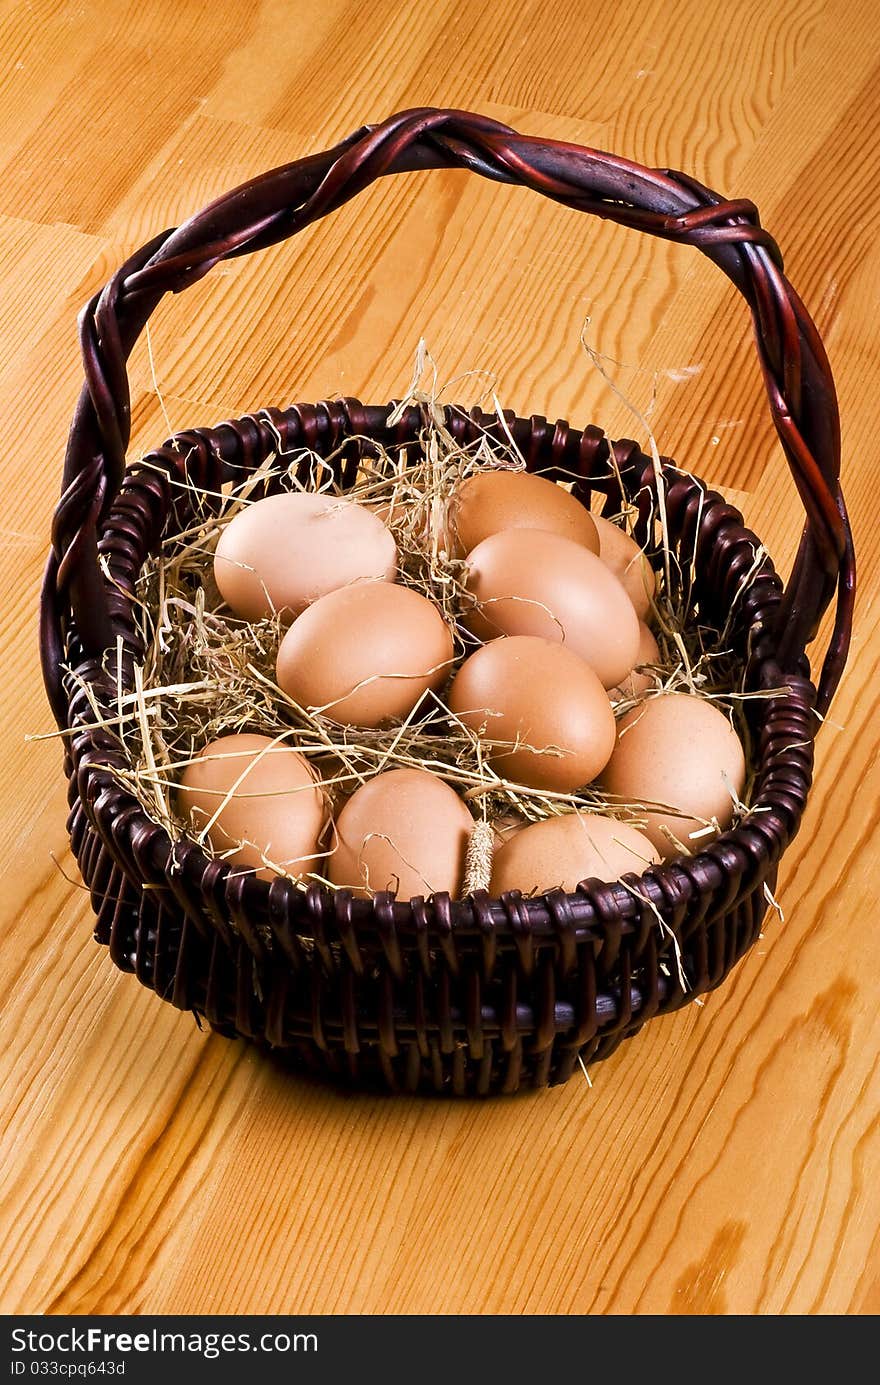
727	1160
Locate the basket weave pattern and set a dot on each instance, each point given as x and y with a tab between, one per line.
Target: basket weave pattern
479	994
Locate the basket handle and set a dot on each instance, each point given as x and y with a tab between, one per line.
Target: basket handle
276	205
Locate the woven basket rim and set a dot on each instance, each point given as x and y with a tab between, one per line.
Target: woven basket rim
508	913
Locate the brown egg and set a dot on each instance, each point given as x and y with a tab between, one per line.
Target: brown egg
675	750
628	563
542	695
491	501
270	804
527	582
365	654
560	852
639	680
284	552
406	831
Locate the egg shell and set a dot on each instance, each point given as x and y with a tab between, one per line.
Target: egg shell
275	806
675	750
528	582
405	830
640	680
492	501
284	552
560	852
524	689
626	560
365	654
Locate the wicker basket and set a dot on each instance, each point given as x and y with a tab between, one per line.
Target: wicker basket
475	995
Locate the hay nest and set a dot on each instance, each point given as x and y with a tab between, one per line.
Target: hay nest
207	673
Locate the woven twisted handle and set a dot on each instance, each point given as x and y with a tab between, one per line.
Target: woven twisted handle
276	205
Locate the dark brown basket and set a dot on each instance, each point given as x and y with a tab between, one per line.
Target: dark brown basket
475	995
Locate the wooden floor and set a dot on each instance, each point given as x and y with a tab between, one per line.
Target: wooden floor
727	1160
